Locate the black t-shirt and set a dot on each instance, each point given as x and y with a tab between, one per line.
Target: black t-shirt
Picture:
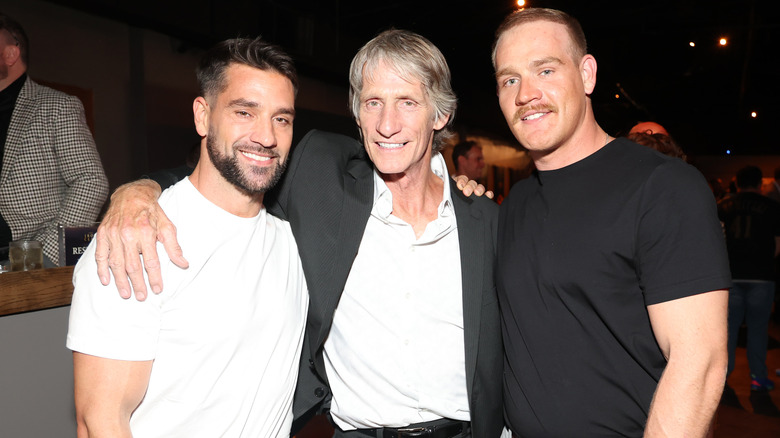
582	252
751	222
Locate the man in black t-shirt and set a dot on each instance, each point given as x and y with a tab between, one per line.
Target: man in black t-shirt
752	225
612	266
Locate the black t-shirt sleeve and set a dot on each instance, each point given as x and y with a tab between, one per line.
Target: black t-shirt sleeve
681	249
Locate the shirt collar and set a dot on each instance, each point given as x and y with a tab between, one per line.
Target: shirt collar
383	197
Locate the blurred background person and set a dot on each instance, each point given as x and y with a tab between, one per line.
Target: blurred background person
772	190
752	225
468	160
660	142
648	128
50	171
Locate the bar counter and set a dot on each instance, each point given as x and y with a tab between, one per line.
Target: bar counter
35	290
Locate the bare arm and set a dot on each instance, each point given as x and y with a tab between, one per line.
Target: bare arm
692	334
132	225
107	392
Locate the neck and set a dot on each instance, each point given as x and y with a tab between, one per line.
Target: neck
210	183
416	198
586	140
13	74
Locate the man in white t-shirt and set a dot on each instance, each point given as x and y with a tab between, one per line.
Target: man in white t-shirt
181	363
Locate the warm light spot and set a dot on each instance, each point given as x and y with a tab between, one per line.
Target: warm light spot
692	44
754	114
617	96
723	41
521	3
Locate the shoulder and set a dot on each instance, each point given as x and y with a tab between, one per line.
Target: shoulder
44	96
478	206
316	138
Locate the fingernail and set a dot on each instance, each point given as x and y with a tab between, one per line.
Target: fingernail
156	289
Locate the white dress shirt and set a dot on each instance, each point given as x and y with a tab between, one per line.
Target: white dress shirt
395	354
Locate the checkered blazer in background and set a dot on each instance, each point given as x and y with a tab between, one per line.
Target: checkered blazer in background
51	170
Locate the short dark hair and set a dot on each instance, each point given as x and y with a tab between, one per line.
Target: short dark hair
17	34
530	15
255	53
749	177
461	149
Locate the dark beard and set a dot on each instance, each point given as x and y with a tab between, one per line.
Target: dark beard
259	181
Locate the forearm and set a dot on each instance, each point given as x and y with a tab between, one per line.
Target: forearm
686	397
80	205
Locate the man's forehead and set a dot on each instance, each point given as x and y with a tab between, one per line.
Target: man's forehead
383	73
539	33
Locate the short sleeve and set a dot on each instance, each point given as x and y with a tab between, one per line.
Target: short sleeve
681	250
104	324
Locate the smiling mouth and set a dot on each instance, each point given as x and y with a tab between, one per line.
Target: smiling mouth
390	145
534	116
256	157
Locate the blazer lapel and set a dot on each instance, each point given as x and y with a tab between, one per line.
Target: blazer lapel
355	211
471	235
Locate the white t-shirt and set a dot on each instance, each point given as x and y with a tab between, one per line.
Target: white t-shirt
225	334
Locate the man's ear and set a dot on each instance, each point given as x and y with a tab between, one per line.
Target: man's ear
441	122
11	55
588	69
200	110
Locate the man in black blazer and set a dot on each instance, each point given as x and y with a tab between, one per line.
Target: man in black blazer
375	225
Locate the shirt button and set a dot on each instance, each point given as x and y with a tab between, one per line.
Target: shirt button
319	392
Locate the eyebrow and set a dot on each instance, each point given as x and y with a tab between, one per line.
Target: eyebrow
245	103
507	71
547	60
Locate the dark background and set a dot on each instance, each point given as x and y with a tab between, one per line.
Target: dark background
702	94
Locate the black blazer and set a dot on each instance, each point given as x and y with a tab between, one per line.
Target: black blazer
327	196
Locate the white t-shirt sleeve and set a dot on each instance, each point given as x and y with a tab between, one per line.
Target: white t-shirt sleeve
104	324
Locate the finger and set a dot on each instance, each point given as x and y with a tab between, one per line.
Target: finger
468	189
132	264
167	235
489	194
101	257
461	181
117	265
152	265
479	190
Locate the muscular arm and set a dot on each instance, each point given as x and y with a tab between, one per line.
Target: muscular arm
132	225
107	392
692	334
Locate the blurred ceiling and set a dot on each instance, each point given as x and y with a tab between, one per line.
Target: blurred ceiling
704	95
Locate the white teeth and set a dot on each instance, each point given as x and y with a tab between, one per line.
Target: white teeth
391	145
534	116
255	156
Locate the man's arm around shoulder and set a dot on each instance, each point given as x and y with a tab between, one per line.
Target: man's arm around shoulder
692	334
107	391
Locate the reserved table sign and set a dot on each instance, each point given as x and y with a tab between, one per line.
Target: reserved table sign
74	240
